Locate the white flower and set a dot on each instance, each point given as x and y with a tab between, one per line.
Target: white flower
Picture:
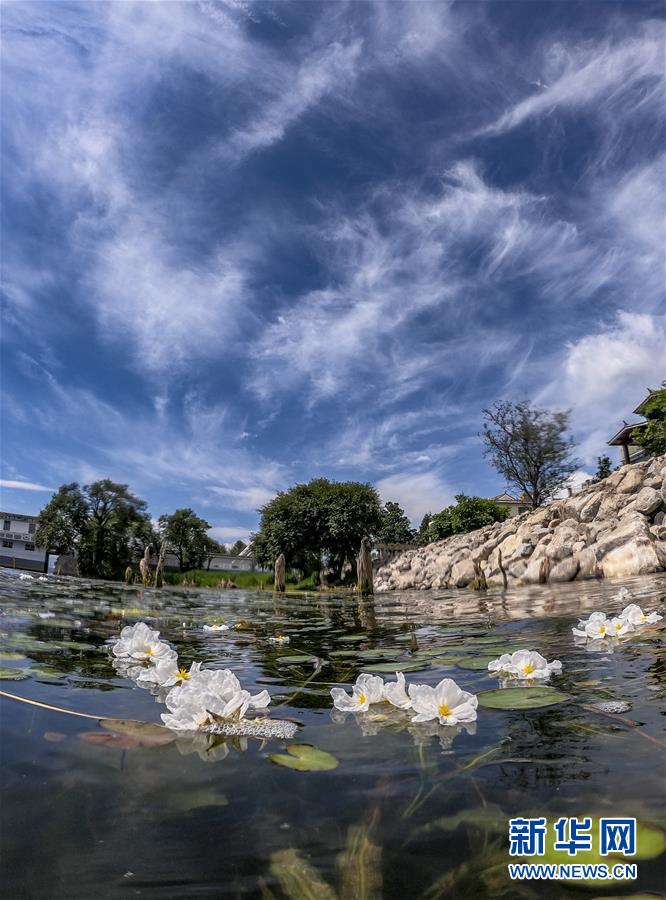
619	627
635	615
595	631
395	693
209	695
278	639
524	664
368	689
167	673
216	628
141	643
445	702
25	577
595	617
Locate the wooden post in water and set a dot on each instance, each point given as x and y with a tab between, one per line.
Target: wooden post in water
128	575
159	569
364	569
280	573
144	565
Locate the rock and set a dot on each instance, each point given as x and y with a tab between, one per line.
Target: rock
659	518
67	565
659	531
632	480
648	501
587	564
463	573
565	570
589	510
537	571
630	529
637	557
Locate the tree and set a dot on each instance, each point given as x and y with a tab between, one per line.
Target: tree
316	523
61	522
653	436
237	548
529	447
395	527
604	464
213	549
101	523
423	534
186	535
468	514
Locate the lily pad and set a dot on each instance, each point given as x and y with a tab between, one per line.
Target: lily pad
12	674
148	733
305	758
521	697
475	663
47	672
10	656
352	638
401	665
343	654
378	652
295	660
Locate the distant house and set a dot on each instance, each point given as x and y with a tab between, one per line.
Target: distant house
515	505
18	549
630	451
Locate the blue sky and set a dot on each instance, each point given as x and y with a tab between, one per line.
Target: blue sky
250	244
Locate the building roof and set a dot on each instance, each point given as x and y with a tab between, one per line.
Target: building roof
624	434
505	498
639	411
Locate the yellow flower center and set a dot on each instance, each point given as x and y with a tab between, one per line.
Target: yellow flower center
149	651
361	699
643	618
182	674
528	668
618	626
602	629
444	710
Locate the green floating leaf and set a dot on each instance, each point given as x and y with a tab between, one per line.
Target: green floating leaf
148	733
295	660
441	659
10	656
521	697
378	652
343	654
12	674
436	651
305	758
47	672
475	663
401	665
352	638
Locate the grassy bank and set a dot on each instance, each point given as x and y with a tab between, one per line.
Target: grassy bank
257	580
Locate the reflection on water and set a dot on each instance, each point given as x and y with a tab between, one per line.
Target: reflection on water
411	811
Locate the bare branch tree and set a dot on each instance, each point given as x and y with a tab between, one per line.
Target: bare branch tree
529	447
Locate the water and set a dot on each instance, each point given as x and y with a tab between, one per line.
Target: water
406	814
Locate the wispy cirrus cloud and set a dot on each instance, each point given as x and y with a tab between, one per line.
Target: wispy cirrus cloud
10	484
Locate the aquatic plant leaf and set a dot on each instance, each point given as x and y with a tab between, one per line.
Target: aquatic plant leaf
305	758
47	672
106	739
476	663
352	638
400	665
521	697
343	654
360	866
10	656
295	660
197	798
379	652
149	733
8	674
298	879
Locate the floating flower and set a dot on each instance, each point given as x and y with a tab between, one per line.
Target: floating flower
524	664
25	577
278	639
143	644
595	630
210	696
618	627
594	618
216	628
446	702
167	673
635	615
368	689
395	693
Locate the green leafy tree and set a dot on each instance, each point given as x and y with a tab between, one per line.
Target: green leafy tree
604	468
529	447
395	527
103	524
322	521
186	535
468	514
61	522
237	548
653	436
423	534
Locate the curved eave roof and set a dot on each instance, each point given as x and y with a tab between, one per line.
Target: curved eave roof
624	434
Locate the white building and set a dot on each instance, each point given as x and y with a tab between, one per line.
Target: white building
18	549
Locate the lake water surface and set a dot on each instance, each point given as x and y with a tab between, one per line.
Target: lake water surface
408	812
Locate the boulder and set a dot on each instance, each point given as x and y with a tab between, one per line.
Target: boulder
565	570
647	501
636	557
587	563
632	480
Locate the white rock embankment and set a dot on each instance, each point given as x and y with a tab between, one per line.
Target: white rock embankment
611	529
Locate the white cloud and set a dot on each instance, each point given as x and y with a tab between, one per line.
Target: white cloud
229	534
581	76
23	485
603	376
417	493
